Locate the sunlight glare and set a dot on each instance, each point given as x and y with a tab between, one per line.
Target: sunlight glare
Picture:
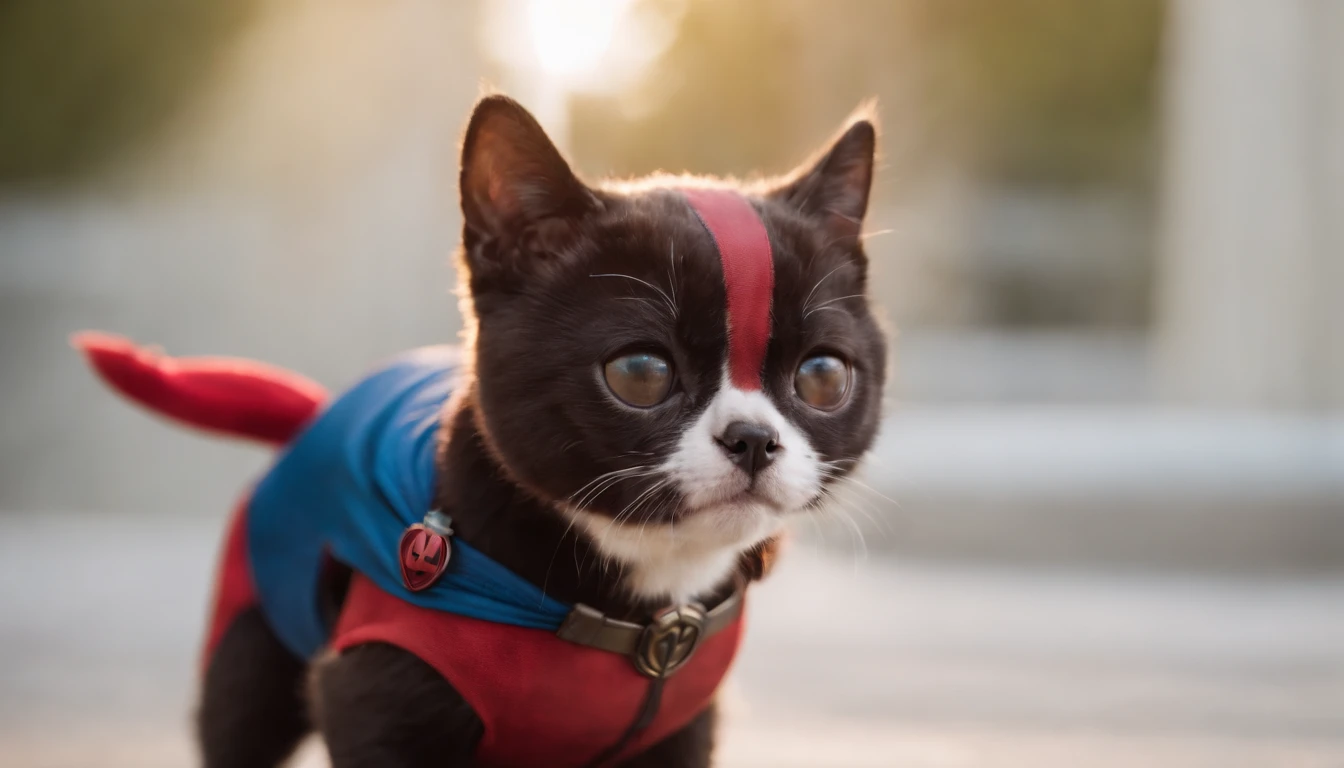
570	39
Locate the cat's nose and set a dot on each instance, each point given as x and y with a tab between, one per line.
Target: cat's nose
750	446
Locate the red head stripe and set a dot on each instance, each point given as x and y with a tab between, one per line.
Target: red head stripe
748	277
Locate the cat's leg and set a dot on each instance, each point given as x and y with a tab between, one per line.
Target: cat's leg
690	747
252	712
378	706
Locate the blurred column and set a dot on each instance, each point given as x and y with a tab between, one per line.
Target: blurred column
1251	281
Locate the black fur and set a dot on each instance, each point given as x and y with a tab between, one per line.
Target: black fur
378	706
252	712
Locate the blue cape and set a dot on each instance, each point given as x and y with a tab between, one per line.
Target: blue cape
349	485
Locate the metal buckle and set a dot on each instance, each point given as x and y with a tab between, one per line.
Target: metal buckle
670	640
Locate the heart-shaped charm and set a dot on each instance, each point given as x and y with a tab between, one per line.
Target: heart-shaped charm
424	552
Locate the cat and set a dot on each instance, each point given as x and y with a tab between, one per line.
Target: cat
656	375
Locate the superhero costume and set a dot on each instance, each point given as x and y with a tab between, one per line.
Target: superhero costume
353	480
553	684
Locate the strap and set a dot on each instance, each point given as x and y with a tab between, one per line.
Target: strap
653	699
660	647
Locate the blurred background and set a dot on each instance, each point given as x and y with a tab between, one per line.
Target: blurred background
1104	526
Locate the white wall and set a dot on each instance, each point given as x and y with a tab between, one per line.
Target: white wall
1251	282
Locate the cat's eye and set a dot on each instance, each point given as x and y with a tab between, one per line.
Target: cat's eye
640	379
822	382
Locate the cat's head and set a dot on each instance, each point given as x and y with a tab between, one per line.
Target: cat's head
676	364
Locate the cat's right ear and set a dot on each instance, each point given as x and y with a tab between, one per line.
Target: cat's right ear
513	179
833	187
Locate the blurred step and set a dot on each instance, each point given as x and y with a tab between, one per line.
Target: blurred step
1104	485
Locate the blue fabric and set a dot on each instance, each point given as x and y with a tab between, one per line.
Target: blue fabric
349	485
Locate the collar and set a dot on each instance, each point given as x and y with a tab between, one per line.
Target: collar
464	580
660	647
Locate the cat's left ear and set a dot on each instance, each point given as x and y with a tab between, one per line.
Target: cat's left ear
513	179
833	186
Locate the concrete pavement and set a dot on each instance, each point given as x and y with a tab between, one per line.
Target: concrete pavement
849	662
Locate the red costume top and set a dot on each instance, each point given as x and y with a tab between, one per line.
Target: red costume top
542	700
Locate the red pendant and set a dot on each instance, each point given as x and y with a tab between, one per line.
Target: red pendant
424	557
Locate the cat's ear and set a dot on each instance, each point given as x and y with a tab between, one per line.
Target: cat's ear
512	175
833	186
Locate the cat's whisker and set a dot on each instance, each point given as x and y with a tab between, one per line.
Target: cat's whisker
808	301
630	508
672	269
667	300
603	482
644	519
601	477
871	506
859	483
625	514
606	480
640	299
827	303
844	493
856	533
824	309
863	508
599	484
546	579
816	526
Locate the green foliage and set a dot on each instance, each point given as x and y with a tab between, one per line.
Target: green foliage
83	79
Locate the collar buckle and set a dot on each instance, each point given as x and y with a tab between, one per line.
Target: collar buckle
661	647
670	640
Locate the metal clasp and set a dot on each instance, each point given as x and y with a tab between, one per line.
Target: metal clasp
670	640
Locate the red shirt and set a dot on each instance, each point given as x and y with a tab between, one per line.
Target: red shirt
542	700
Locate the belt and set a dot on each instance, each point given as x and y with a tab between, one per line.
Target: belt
660	647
